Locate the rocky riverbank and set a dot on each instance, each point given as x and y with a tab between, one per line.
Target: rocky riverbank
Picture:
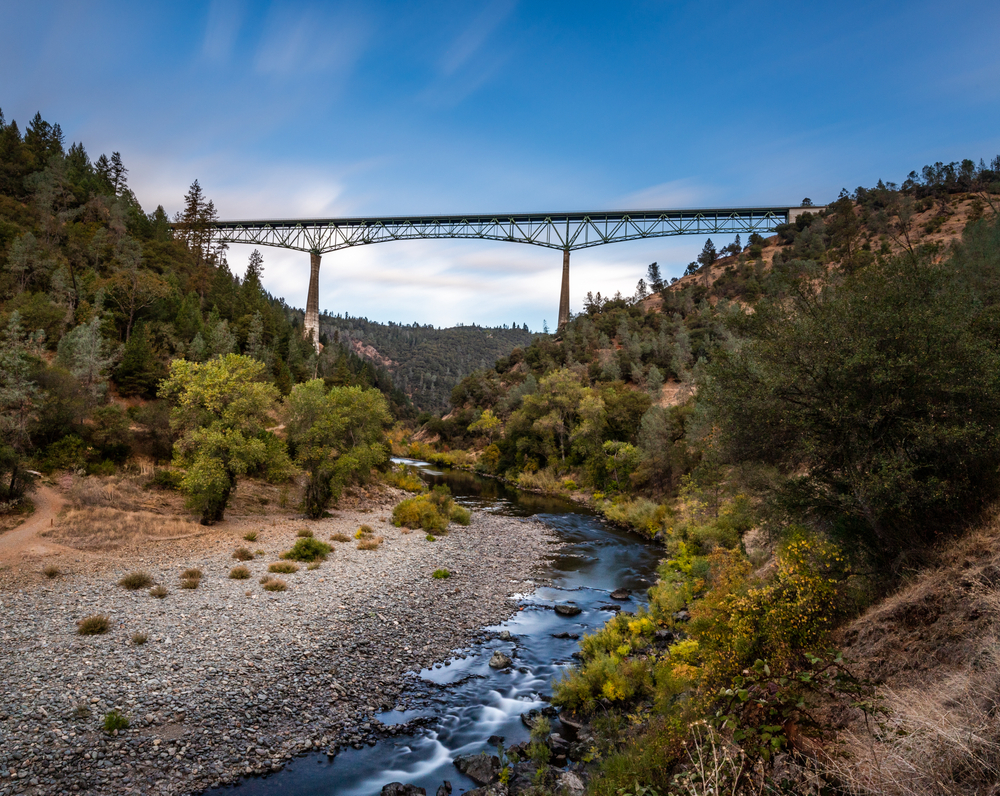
233	679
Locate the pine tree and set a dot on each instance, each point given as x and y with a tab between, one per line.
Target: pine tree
139	369
653	278
117	174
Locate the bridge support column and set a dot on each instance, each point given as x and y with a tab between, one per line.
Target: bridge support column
311	324
564	292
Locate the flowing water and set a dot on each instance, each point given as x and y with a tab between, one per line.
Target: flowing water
465	702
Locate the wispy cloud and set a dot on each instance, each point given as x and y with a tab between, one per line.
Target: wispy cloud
472	39
666	196
221	29
310	41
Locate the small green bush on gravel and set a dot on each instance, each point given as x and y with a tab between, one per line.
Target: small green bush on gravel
431	512
441	574
115	721
307	549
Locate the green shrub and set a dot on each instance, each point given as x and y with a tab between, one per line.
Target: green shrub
307	549
441	574
166	479
136	580
115	721
431	537
431	512
285	567
93	625
404	479
461	515
639	514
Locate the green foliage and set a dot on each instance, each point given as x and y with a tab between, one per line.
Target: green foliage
884	390
338	438
431	512
221	412
307	549
404	478
114	721
441	574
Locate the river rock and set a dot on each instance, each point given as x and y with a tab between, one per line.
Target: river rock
496	789
505	635
444	789
500	661
620	594
483	769
572	724
570	784
399	789
568	609
566	634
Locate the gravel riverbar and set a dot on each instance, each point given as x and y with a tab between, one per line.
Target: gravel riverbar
234	679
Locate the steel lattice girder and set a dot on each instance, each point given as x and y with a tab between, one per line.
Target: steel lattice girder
566	231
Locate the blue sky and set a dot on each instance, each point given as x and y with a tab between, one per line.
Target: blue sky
291	109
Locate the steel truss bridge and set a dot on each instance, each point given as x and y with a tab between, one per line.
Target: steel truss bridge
564	231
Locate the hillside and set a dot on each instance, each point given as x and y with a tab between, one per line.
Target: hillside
424	362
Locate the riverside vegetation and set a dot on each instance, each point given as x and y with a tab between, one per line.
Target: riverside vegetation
803	423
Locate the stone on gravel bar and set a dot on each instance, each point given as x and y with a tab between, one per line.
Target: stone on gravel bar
568	609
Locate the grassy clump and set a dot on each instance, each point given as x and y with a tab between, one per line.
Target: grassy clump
441	574
404	478
307	548
159	592
305	533
115	720
284	567
93	625
190	583
431	537
239	573
313	565
364	532
274	584
51	571
431	512
140	638
340	537
370	544
242	554
193	573
136	580
250	536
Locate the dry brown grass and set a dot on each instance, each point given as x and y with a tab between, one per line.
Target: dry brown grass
250	536
284	567
104	528
159	592
117	492
190	583
340	537
935	646
192	573
93	625
52	571
370	544
275	584
239	573
140	638
242	554
136	580
305	533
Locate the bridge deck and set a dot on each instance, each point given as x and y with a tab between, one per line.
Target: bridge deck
564	230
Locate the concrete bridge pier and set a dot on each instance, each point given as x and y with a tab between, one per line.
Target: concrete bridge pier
311	324
564	292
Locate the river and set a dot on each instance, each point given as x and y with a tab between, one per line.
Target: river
463	700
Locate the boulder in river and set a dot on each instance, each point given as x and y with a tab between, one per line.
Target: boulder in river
568	609
483	769
620	594
399	789
566	634
505	635
570	783
500	661
444	789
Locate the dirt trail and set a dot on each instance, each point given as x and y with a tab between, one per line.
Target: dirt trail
25	537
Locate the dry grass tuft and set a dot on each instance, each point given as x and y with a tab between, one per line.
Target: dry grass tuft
192	574
105	528
140	638
136	580
239	573
275	584
242	554
370	544
93	625
190	583
250	536
117	492
340	537
159	592
284	567
364	532
52	571
313	565
305	533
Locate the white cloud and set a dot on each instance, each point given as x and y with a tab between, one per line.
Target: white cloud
311	41
666	196
221	29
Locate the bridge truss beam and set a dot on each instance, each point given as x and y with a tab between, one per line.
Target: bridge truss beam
565	231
